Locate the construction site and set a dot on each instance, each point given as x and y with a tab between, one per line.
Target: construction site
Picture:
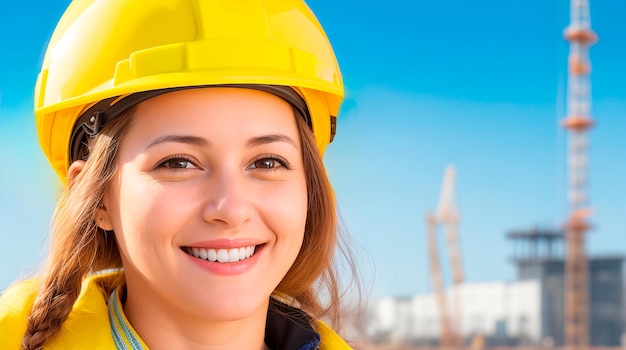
404	126
563	297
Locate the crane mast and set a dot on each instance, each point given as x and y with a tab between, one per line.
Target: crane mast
446	337
577	124
447	215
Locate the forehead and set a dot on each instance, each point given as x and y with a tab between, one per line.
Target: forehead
215	110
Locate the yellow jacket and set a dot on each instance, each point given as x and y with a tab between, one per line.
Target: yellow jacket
87	326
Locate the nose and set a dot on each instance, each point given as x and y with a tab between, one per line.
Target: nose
229	200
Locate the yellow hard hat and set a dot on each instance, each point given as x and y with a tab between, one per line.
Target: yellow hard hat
107	51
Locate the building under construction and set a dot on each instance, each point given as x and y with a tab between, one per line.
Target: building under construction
563	297
539	255
528	312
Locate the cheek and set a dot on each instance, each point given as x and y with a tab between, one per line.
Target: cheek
287	211
148	216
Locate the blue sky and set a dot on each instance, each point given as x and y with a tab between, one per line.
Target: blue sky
476	84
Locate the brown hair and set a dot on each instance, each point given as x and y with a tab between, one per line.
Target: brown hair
315	272
79	247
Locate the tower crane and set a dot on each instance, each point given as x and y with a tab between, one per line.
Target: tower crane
448	216
577	123
445	338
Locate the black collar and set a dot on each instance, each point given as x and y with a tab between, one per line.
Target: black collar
289	328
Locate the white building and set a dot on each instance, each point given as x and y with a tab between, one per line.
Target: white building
494	309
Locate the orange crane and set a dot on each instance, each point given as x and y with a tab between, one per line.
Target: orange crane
446	337
448	216
577	122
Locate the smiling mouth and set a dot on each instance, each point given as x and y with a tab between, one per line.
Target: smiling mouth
221	255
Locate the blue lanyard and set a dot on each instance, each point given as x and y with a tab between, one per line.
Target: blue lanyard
123	333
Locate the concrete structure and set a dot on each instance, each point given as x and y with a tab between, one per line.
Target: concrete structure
505	313
529	311
538	256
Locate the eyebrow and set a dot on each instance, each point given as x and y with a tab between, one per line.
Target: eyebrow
265	139
202	142
186	139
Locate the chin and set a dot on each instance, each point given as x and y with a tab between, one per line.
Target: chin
233	309
226	304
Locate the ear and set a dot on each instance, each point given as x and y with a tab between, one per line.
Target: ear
75	169
102	219
100	216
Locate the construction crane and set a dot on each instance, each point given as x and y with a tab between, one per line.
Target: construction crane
446	338
577	123
447	215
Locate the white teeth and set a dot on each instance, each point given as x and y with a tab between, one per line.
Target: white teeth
222	255
212	255
233	255
250	250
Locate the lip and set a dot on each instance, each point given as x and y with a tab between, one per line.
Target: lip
225	243
230	268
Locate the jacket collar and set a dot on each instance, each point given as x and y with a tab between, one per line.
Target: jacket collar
287	327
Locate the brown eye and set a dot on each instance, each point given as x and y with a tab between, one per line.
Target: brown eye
266	163
269	162
177	163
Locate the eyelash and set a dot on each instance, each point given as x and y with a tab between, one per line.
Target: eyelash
282	161
183	157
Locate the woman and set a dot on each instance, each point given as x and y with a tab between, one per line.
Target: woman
197	213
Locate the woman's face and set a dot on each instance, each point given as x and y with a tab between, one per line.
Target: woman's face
209	202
